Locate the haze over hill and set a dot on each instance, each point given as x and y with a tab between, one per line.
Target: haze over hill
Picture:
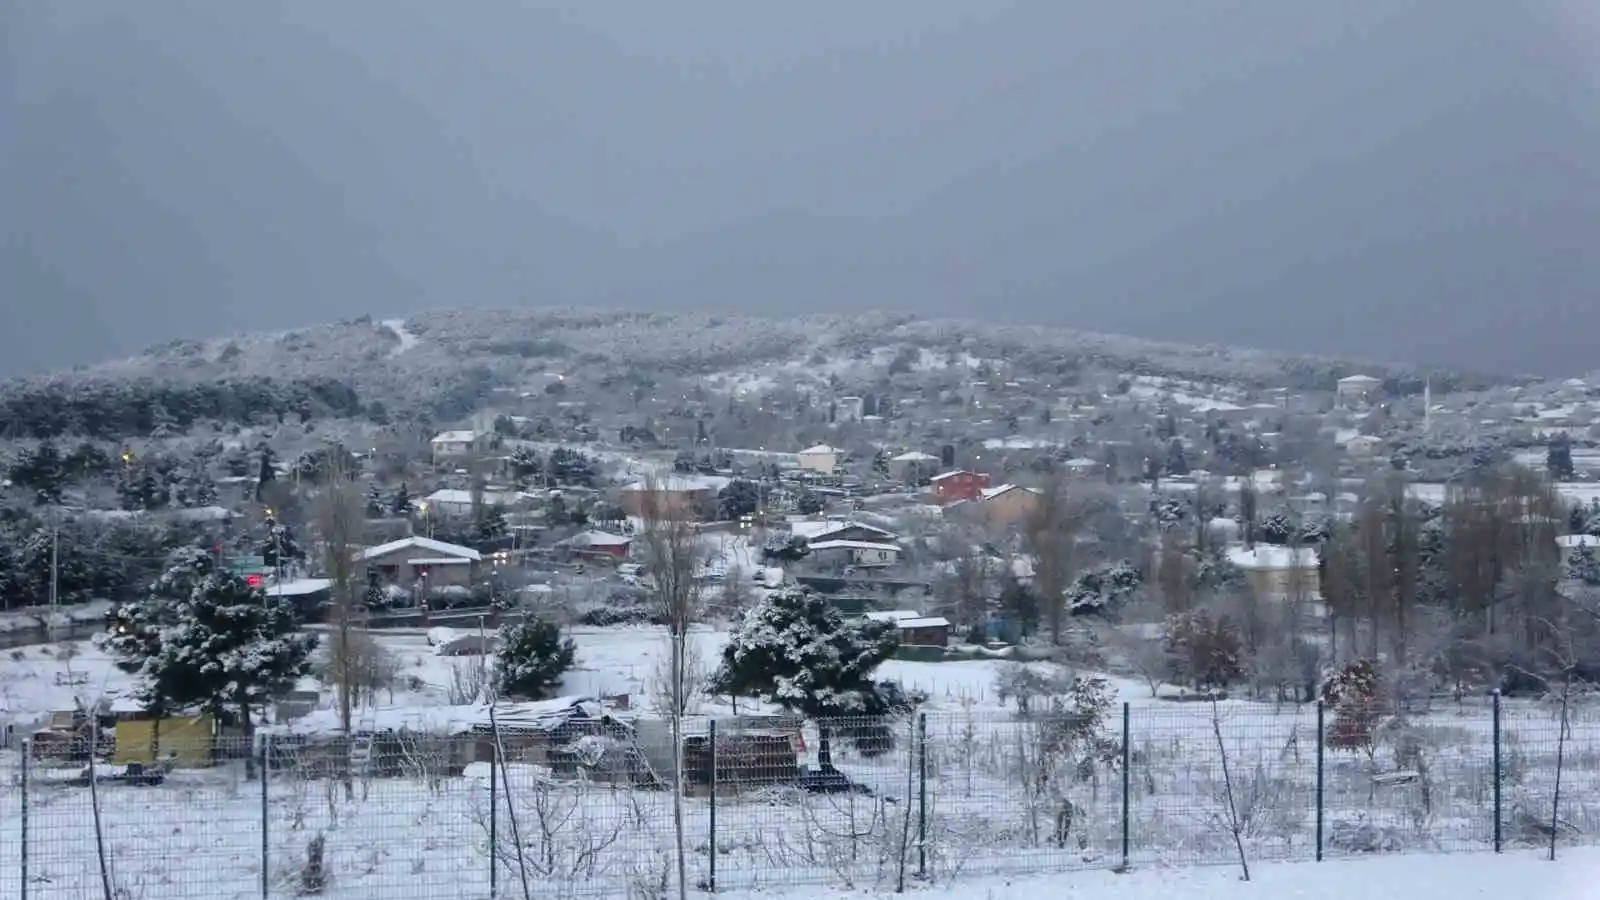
1376	178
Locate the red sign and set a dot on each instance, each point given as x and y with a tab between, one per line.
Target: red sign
253	580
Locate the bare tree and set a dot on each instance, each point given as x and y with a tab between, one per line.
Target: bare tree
341	518
671	548
1234	823
1052	534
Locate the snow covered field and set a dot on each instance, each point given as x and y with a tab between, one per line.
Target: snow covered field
981	811
1413	877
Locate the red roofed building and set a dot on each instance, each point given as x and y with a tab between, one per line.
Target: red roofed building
958	485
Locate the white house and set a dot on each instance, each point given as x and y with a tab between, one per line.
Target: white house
456	445
457	502
856	553
1278	571
1362	445
1358	387
820	458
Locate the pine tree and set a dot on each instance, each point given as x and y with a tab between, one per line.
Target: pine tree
532	658
739	498
795	650
401	506
1177	461
375	504
1558	459
41	470
195	488
206	639
265	473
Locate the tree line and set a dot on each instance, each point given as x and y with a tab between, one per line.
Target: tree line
111	409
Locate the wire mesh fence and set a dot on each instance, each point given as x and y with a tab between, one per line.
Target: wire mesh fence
590	807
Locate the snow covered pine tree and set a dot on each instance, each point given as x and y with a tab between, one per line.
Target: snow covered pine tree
795	650
205	639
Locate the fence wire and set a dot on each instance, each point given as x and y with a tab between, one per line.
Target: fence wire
596	808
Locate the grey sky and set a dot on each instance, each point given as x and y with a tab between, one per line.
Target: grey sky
1402	180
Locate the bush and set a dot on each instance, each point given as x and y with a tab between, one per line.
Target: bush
533	657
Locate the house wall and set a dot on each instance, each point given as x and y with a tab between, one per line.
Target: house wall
1010	508
822	463
1283	582
938	636
393	569
962	486
696	504
873	557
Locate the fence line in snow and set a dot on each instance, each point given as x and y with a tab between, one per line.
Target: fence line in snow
585	807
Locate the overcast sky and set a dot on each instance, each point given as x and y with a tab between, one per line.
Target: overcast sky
1390	179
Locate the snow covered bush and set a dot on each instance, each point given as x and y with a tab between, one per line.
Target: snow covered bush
205	639
533	656
1353	694
795	650
1204	650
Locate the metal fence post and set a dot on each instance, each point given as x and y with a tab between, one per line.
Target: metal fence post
494	818
1321	797
1498	842
711	839
266	776
922	795
27	750
1127	794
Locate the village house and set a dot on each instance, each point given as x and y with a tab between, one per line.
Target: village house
599	543
456	446
675	495
815	531
915	629
821	459
1008	504
1082	467
418	559
855	553
1275	571
913	466
457	502
849	409
958	485
1358	388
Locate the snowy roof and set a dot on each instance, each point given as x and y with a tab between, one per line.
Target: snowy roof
679	484
1358	379
923	622
892	615
421	543
298	587
991	493
597	539
449	495
544	714
455	437
438	561
853	545
1269	556
950	474
819	450
812	531
204	514
1081	462
914	456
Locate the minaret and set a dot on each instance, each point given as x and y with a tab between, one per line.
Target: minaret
1427	406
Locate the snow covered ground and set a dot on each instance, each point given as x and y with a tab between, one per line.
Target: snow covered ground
407	338
1414	877
987	814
